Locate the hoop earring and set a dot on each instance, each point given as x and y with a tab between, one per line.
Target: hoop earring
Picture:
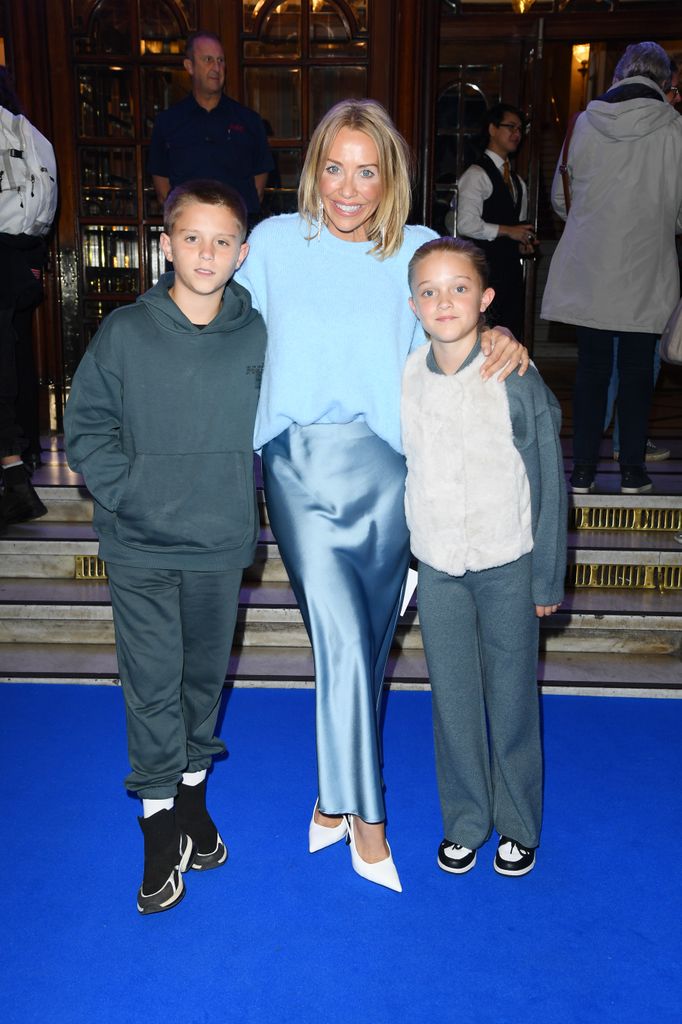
320	218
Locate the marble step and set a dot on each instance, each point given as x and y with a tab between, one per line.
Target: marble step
69	501
48	549
589	674
66	498
78	611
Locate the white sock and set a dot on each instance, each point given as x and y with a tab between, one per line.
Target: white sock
12	465
150	807
193	778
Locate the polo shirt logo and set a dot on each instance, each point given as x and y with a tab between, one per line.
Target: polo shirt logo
235	128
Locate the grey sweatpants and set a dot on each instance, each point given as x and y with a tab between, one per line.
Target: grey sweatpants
480	636
174	633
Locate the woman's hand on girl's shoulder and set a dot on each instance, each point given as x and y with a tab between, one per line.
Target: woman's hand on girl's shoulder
504	353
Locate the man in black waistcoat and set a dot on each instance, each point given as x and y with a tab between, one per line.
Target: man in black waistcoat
492	210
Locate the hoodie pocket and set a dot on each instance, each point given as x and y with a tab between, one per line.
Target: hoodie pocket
191	503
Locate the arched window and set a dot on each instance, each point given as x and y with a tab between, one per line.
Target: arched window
299	58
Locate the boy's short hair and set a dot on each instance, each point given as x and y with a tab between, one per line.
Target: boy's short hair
459	246
204	190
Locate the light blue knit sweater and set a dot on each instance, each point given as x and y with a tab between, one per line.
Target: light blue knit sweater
339	327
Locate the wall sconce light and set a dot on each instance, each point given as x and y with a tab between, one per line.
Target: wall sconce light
521	6
581	55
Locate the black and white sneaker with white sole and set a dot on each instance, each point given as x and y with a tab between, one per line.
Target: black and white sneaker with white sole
172	891
206	861
454	858
512	858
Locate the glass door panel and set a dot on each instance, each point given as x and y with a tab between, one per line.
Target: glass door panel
161	88
110	259
330	32
108	182
105	107
275	92
328	85
104	30
279	30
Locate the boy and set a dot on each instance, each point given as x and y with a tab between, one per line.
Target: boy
160	424
485	502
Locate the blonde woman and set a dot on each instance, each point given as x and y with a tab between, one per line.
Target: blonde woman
330	283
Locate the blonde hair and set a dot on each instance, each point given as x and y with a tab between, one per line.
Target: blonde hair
385	227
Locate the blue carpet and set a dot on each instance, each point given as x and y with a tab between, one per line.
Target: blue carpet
592	936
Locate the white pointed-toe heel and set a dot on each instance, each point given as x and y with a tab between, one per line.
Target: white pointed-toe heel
383	872
319	836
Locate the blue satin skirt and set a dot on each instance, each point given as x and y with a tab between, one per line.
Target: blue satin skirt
335	500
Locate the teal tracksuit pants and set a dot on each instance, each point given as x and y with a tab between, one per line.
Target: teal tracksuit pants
174	632
480	634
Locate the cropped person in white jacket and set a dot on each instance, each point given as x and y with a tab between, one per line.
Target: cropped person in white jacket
614	273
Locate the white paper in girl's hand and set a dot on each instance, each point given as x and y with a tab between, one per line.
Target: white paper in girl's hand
410	587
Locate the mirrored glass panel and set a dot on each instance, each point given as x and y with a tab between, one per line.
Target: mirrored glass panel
94	311
161	30
287	169
279	30
276	94
104	29
108	182
110	259
161	87
359	9
328	85
331	33
151	205
105	107
155	262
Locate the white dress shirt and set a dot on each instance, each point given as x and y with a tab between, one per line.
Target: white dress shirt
474	187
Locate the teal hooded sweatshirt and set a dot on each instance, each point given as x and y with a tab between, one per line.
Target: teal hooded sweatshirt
160	423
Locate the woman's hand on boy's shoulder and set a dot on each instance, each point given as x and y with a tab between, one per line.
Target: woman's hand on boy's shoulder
504	353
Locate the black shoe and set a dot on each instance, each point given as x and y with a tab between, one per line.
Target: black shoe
582	479
167	853
20	503
455	858
512	858
32	460
190	807
635	481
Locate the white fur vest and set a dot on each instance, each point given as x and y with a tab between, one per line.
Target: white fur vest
467	499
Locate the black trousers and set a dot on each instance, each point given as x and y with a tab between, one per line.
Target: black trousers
633	402
11	438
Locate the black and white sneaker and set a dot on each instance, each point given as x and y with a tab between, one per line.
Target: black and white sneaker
455	858
210	850
512	858
167	854
582	479
206	861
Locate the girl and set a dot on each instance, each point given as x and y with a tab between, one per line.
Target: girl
486	507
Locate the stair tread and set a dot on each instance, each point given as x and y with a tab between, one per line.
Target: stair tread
623	540
275	594
98	663
44	530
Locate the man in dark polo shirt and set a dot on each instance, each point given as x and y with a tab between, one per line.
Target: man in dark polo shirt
492	210
208	134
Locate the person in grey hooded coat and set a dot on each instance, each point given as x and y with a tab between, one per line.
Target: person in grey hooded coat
614	273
